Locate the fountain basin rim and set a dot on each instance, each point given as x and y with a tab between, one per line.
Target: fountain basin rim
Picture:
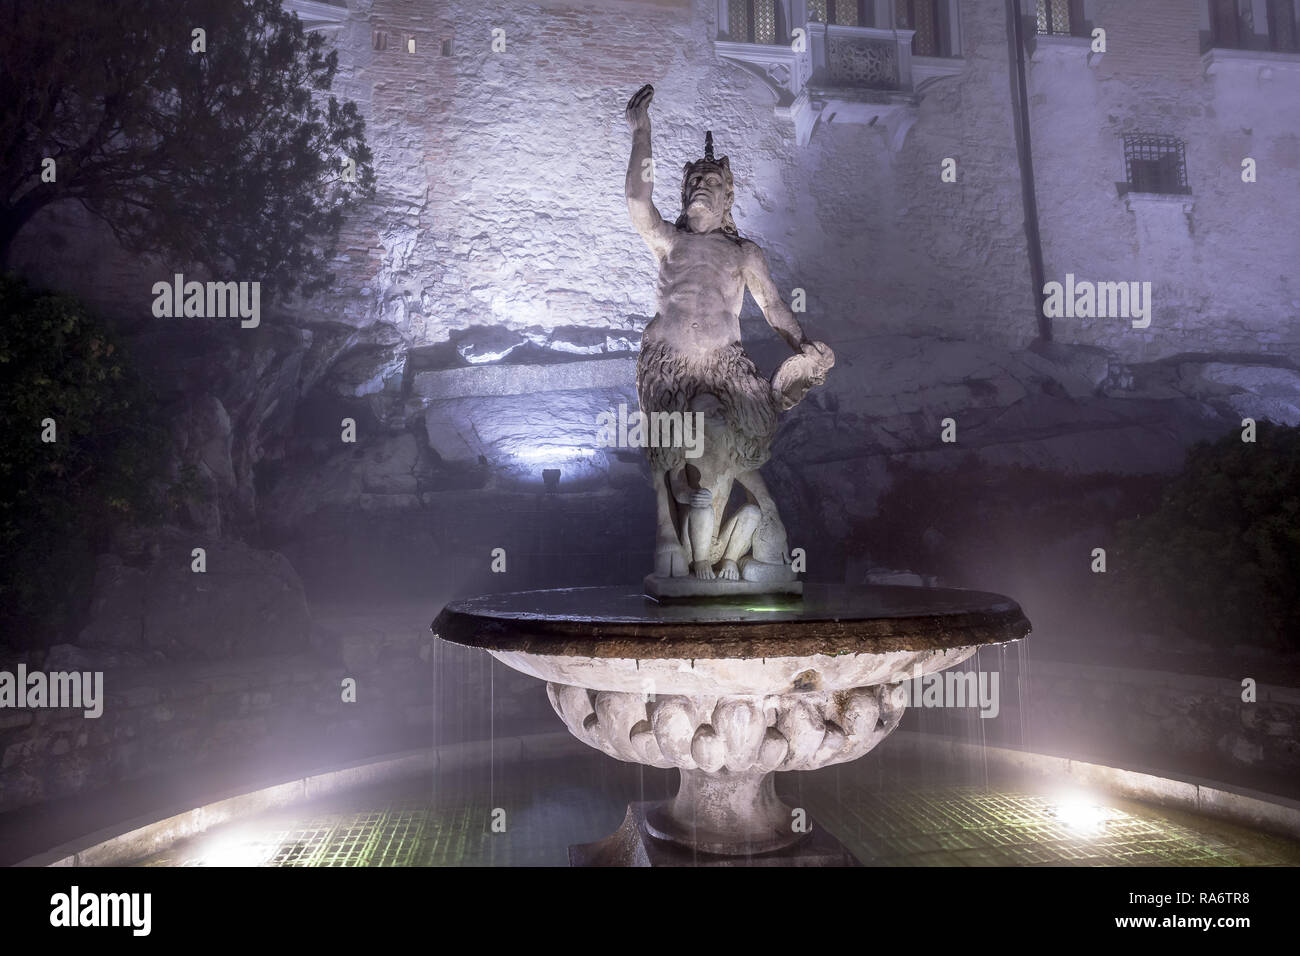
745	677
619	622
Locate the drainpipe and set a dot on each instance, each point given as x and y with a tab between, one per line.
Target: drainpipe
1029	198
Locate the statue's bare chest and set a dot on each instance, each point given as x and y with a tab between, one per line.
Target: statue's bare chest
714	255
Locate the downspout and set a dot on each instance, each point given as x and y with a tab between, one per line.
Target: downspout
1029	197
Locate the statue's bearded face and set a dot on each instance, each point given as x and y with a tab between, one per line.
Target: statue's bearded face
707	194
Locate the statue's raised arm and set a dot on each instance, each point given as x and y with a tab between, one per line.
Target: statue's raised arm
808	367
640	174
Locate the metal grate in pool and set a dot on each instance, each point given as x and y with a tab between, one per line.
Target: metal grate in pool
885	819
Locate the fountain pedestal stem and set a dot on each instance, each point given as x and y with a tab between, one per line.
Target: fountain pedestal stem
733	814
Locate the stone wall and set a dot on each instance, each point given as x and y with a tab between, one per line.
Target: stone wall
1169	719
491	297
501	175
283	714
446	549
1216	257
1134	717
261	716
500	181
501	199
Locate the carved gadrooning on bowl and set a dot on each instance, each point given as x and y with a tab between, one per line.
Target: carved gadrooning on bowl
731	695
727	749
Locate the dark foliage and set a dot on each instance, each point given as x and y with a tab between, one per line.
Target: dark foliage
231	158
1219	559
60	500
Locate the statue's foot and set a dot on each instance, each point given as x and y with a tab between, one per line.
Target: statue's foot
670	560
768	573
729	570
703	570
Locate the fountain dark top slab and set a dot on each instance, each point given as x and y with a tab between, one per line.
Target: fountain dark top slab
621	622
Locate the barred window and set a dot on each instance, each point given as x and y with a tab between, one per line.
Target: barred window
752	21
1155	163
923	17
1058	18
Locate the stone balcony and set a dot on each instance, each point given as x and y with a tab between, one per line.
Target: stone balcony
326	16
843	74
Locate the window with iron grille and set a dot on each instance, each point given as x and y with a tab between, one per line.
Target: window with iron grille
1058	18
754	21
923	17
1155	163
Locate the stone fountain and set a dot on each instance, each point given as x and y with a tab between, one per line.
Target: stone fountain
730	694
722	664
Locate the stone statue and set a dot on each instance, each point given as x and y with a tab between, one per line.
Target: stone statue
691	361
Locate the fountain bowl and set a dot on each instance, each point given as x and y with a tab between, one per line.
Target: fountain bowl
730	693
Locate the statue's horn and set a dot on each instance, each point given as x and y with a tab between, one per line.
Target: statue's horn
708	146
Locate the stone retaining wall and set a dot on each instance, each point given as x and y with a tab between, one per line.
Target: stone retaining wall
268	713
1122	716
286	712
1183	719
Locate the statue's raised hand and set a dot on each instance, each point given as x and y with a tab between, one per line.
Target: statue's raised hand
638	108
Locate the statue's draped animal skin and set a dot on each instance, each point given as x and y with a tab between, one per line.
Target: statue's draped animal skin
669	380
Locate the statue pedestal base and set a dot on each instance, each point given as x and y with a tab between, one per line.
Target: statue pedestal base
662	588
632	844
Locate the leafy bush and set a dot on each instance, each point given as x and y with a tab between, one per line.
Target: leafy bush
59	501
1219	559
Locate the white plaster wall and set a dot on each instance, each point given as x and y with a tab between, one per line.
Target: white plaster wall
501	198
1223	281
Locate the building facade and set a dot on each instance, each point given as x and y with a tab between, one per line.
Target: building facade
501	150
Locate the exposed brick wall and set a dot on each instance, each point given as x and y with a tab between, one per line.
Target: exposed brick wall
1154	46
